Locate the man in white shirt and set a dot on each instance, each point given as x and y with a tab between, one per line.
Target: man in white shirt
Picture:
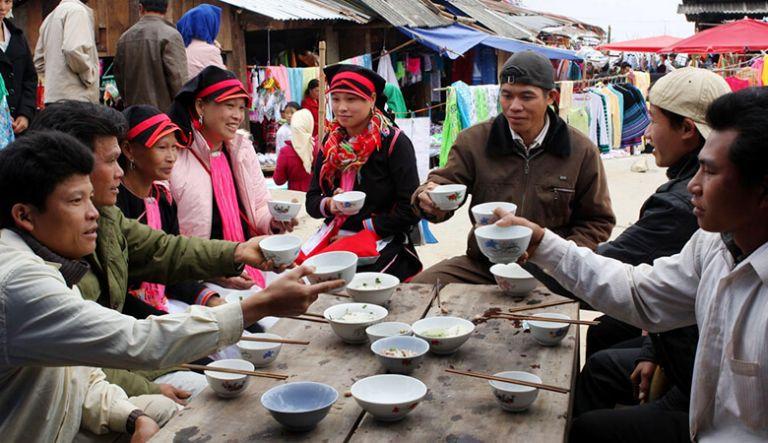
52	341
725	293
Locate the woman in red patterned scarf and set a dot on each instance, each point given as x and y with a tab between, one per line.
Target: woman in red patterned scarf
364	151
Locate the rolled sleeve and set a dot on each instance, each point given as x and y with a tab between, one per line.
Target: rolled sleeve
105	406
230	319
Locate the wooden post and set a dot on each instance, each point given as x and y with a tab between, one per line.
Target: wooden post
321	110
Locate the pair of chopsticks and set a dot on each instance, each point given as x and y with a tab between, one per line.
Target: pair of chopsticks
315	318
542	305
271	375
509	380
504	316
273	340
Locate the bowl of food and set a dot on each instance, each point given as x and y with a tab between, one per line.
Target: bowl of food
299	406
444	334
281	249
400	355
349	320
512	397
387	329
548	333
389	397
503	244
226	384
448	197
284	210
351	202
372	287
259	353
484	215
513	280
336	265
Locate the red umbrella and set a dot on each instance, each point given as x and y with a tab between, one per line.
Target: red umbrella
649	44
741	36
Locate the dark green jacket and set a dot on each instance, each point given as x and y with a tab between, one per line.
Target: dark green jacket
129	250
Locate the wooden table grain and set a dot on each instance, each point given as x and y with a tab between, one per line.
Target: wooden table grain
456	408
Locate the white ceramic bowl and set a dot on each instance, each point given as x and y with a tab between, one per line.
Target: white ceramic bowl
351	201
299	406
514	280
448	197
353	330
333	266
259	353
228	385
503	244
387	329
429	328
549	333
283	210
483	212
512	397
389	397
398	363
372	287
281	249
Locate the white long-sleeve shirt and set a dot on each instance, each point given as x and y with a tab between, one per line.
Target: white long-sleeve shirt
48	332
701	285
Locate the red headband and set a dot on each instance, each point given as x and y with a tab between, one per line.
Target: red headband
353	83
236	90
164	127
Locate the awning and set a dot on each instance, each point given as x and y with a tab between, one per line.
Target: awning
741	36
456	39
302	10
650	44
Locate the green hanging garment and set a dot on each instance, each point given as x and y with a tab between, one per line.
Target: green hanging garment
395	100
451	126
481	104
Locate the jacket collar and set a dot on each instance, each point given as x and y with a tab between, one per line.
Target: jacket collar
556	142
72	270
685	168
12	27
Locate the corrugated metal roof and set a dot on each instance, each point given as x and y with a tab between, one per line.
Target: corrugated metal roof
723	8
535	22
411	13
302	10
497	22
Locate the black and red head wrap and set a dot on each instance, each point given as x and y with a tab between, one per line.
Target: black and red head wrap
356	80
147	125
212	83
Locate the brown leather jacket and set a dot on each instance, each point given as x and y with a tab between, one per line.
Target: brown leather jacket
560	185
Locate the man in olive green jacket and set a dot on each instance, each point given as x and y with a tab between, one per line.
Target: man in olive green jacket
126	249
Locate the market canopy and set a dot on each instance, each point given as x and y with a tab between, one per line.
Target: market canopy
741	36
648	44
456	39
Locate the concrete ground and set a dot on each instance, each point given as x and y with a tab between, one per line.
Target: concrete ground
628	192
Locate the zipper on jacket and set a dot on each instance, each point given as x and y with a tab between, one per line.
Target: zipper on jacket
526	174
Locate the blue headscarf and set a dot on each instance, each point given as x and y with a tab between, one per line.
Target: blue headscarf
201	22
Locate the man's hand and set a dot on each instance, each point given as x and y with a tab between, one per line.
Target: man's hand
641	377
280	227
507	218
240	282
180	396
427	205
250	254
145	429
288	295
20	124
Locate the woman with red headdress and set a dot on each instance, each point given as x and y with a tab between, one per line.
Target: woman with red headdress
364	151
217	182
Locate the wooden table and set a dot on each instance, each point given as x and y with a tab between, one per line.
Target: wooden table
456	408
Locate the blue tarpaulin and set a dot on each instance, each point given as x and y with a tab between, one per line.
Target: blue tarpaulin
454	40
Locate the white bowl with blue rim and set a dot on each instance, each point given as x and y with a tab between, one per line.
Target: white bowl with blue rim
350	320
484	215
351	202
283	210
299	406
513	280
512	397
281	249
400	355
389	397
260	353
503	244
448	197
548	333
335	265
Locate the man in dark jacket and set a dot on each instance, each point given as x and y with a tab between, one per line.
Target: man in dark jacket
528	156
621	361
151	61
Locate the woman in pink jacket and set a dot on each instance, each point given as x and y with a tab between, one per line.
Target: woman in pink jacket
199	28
217	182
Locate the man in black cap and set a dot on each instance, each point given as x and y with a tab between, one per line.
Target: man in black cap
528	156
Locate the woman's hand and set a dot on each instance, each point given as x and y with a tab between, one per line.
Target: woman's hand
240	282
20	124
280	227
334	207
507	218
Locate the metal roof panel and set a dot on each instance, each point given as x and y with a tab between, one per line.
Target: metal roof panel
302	10
410	13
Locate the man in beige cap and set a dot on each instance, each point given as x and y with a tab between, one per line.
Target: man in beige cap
620	360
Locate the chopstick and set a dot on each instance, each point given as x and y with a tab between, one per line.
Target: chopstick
544	319
542	305
509	380
309	314
314	320
437	293
235	371
273	340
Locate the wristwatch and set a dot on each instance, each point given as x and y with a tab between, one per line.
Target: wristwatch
130	424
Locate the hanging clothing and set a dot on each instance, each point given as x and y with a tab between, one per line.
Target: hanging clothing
6	121
395	100
467	111
386	70
280	74
643	82
308	74
566	98
636	118
578	118
480	104
296	81
451	125
737	84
